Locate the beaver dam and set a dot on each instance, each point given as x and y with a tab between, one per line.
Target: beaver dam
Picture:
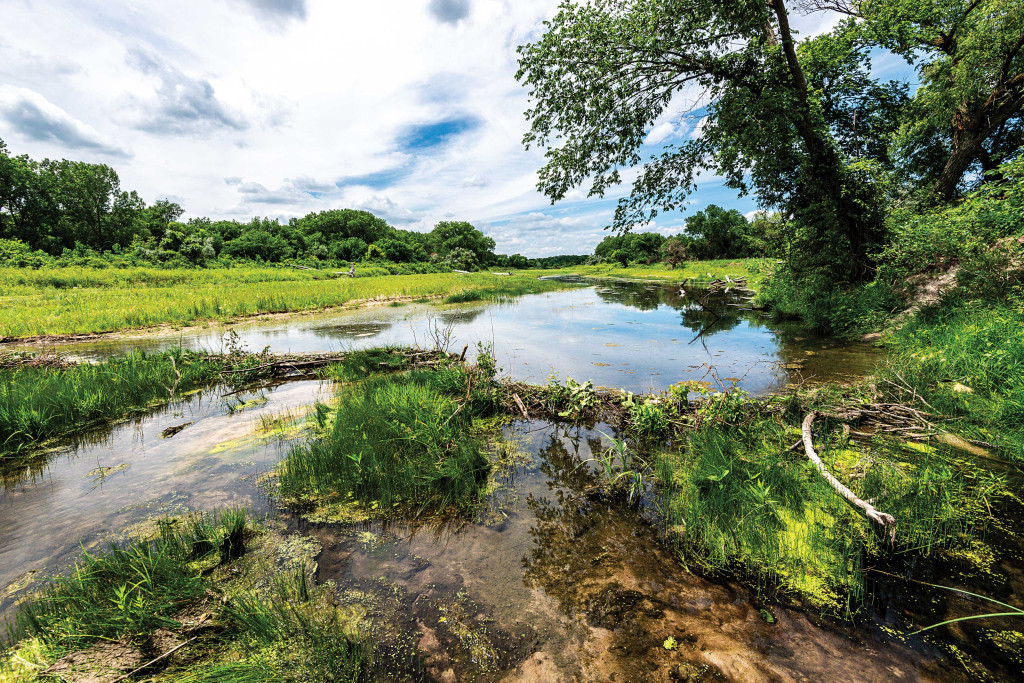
618	482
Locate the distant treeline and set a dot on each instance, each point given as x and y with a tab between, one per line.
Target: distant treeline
714	233
75	213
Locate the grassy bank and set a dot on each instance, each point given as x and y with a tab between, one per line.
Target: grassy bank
965	360
40	403
754	270
205	589
84	300
740	497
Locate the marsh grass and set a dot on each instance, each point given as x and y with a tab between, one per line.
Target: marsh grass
395	440
736	502
38	403
83	300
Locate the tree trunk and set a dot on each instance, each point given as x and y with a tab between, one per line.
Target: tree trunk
966	145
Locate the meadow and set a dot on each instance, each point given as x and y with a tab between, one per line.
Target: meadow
755	270
69	301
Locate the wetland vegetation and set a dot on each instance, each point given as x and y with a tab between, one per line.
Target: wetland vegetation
435	517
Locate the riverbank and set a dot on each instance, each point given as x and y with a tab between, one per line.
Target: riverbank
753	271
55	304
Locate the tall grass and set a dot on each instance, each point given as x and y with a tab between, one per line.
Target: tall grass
38	403
738	501
754	270
83	300
397	439
966	359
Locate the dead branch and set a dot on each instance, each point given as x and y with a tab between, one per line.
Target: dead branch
881	518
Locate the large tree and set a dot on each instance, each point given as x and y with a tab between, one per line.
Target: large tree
606	70
969	54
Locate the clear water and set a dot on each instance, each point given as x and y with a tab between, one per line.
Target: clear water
638	337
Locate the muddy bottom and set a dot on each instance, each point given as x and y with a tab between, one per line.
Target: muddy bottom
552	582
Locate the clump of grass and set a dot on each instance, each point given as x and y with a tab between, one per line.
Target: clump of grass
288	631
292	626
463	297
132	589
396	439
737	501
38	403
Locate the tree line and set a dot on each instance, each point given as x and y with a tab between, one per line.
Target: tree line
77	211
713	233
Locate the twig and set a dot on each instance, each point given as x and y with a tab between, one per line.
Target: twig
153	661
519	402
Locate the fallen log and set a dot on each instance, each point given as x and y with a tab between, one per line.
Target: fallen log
882	519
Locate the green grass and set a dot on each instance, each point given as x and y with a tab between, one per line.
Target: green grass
287	631
966	359
39	403
394	440
739	504
83	300
754	270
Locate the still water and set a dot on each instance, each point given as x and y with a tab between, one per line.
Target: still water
638	337
549	582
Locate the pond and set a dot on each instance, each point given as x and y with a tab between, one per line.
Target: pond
626	335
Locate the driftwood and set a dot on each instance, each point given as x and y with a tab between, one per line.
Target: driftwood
522	408
882	519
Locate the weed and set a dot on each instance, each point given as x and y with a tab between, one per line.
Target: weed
394	439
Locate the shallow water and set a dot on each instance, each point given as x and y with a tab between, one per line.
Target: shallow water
553	583
633	336
118	477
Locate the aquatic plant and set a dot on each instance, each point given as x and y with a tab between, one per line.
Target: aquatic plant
394	439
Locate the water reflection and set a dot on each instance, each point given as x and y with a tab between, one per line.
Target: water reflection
572	587
638	337
112	479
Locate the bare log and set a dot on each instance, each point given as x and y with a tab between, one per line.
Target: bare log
882	519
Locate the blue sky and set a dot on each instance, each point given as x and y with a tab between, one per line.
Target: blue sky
237	108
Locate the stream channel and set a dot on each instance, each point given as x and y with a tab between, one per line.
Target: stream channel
548	582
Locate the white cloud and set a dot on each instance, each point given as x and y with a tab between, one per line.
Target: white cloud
278	107
34	117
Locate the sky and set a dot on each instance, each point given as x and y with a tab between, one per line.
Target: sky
240	108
